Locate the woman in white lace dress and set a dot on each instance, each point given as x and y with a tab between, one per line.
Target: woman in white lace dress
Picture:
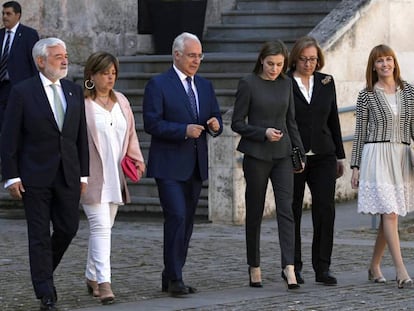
381	164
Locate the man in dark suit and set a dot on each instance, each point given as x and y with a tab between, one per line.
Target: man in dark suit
179	109
44	153
16	62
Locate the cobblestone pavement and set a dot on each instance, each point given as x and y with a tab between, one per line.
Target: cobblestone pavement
216	266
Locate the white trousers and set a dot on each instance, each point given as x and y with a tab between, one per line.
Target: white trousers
101	218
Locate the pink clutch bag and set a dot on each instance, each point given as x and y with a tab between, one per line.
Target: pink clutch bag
130	169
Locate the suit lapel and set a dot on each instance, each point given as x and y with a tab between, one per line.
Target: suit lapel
2	33
70	100
201	95
43	102
317	85
17	38
175	79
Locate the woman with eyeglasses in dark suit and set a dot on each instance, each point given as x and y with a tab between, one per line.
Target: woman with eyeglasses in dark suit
318	122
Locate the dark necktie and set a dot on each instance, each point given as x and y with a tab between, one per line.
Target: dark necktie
4	56
192	98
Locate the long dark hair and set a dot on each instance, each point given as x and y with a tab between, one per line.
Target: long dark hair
271	48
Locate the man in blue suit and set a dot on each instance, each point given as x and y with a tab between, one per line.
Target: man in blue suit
179	109
18	60
45	160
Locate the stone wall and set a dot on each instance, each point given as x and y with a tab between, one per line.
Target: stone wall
91	25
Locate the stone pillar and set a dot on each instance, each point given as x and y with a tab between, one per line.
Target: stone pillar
225	197
226	189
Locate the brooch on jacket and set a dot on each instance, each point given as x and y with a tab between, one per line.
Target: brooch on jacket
326	80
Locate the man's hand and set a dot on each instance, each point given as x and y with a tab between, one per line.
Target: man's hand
16	190
213	124
83	187
339	168
194	130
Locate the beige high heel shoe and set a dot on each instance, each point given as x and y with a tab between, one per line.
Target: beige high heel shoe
255	277
92	287
106	295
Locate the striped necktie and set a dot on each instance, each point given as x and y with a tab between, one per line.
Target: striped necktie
192	98
4	57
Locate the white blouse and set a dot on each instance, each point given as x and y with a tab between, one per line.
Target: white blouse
306	93
111	127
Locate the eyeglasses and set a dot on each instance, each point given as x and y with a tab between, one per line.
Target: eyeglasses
311	60
194	56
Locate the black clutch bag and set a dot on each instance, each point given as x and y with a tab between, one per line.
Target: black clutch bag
296	159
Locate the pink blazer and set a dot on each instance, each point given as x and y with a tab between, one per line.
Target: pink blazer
130	147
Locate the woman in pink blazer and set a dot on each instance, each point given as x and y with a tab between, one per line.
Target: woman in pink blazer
111	136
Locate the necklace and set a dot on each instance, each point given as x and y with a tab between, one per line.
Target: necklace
105	104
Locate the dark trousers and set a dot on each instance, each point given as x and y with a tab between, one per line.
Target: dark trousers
5	87
179	201
257	174
58	204
320	175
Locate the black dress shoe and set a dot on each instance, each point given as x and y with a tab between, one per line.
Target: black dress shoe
299	277
326	278
47	303
177	288
55	297
191	289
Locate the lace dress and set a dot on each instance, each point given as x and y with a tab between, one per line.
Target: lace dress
386	182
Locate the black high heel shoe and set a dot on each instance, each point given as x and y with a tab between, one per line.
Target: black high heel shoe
254	284
292	285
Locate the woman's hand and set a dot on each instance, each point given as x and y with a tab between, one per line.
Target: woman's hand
301	170
355	178
273	134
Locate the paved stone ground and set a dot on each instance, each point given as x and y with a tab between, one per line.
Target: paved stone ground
216	266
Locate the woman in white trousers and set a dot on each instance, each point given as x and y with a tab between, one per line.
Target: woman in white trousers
111	136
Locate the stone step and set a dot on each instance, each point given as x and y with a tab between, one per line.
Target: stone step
286	17
326	5
224	83
220	80
225	98
247	45
147	187
212	62
282	32
152	206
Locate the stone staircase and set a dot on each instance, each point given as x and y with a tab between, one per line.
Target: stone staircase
230	49
230	53
252	22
